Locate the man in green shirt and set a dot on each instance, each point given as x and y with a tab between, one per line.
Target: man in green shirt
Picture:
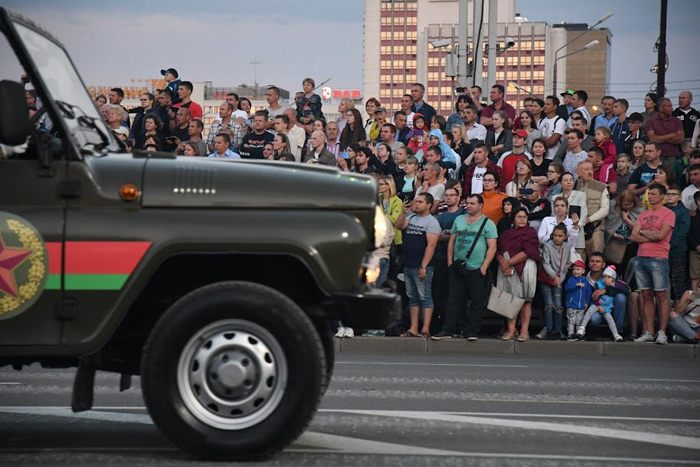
467	275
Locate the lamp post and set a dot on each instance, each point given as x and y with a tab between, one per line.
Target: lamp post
601	20
585	47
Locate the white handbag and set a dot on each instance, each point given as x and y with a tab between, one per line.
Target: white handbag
504	303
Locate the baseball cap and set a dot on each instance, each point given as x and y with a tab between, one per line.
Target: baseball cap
169	70
380	109
568	92
521	133
579	264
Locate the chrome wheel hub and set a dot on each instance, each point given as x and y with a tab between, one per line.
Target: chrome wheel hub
232	374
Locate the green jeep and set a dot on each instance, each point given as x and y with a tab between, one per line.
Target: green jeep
212	279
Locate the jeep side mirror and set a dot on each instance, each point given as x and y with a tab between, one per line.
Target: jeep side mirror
14	114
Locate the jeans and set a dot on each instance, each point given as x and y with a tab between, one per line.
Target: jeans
619	310
652	273
472	286
681	327
384	264
419	291
552	307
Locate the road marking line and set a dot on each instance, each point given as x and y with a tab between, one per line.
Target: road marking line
544	415
432	364
673	380
66	412
684	442
344	444
8	384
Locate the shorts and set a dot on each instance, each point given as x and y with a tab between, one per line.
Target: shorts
694	264
652	273
419	291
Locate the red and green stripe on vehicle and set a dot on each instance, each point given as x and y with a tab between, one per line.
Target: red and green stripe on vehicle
94	265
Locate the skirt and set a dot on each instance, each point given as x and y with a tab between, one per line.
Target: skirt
524	288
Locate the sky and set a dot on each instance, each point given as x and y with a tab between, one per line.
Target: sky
216	40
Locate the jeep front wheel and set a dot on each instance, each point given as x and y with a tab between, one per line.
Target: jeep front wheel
233	370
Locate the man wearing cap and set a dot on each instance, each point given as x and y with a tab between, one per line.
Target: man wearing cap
185	92
173	82
564	110
509	159
376	128
636	128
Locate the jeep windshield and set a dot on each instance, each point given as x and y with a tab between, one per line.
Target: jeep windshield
64	84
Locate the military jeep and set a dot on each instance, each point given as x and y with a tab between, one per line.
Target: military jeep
211	279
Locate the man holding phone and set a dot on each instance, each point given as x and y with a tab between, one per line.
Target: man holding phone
181	131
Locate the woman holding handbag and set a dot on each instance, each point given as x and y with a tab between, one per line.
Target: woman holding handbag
624	212
517	255
556	254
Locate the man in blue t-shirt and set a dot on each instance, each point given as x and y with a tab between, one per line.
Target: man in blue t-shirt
420	239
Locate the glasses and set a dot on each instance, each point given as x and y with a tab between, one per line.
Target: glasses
489	180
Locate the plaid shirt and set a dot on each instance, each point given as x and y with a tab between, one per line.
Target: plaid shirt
238	133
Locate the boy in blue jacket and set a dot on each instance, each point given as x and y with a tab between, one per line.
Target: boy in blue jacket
604	304
578	294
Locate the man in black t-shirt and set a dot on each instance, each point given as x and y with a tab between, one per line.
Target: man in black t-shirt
254	142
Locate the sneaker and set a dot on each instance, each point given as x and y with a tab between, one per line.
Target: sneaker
441	335
632	337
678	339
552	336
374	333
571	338
341	332
349	332
661	338
471	336
580	332
646	337
542	334
618	338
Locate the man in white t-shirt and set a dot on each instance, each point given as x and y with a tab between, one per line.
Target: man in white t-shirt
552	126
579	101
238	115
406	103
475	131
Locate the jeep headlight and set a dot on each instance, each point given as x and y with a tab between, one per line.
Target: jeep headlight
380	227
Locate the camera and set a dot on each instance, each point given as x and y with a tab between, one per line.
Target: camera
510	42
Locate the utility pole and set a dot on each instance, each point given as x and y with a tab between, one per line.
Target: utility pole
255	64
661	62
493	46
463	46
478	42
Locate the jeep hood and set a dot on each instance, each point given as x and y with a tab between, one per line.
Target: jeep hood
220	183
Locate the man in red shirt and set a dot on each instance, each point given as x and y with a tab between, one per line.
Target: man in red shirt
603	171
651	269
185	92
497	95
665	129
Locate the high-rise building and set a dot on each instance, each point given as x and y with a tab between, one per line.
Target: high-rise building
399	51
589	69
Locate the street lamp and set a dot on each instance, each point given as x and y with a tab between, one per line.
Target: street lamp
588	46
585	47
516	86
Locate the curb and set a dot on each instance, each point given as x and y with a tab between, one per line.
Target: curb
421	346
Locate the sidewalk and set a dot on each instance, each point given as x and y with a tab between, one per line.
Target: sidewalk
491	346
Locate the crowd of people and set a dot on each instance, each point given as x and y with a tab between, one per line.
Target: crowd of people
591	218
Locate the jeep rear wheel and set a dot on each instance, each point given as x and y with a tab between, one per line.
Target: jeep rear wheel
233	370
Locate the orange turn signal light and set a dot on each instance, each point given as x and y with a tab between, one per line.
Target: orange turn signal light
129	192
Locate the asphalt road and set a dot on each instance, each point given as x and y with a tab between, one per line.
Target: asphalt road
401	410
